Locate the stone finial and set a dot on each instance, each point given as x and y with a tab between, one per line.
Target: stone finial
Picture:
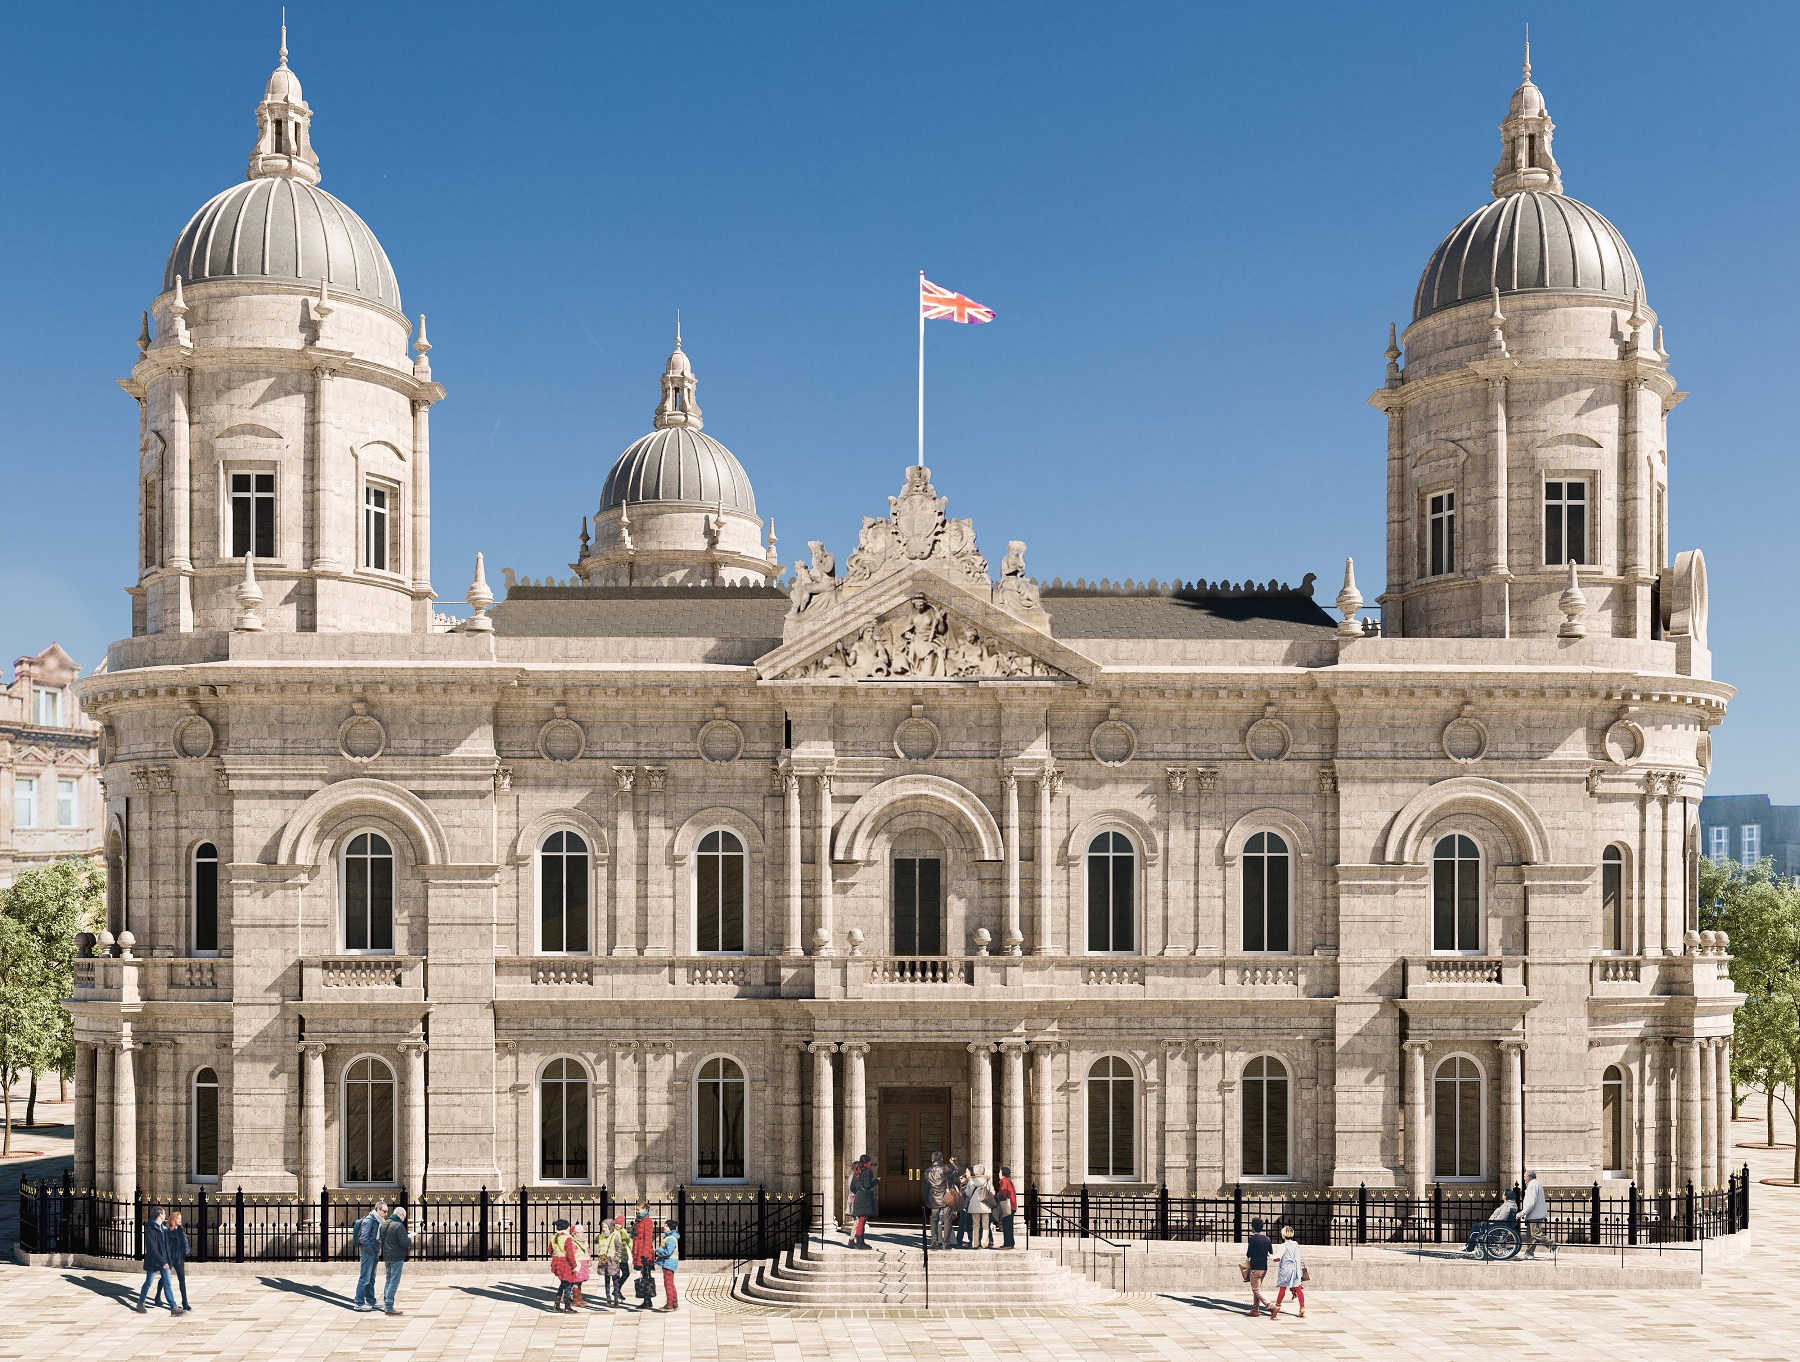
1639	344
126	942
625	527
249	596
983	941
143	340
1394	379
422	346
1661	353
1496	330
1525	158
771	541
480	598
178	310
321	313
1572	603
584	537
1349	601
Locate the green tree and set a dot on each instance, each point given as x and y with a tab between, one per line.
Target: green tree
39	917
1761	913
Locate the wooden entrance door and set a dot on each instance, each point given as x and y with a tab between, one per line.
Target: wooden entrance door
914	1124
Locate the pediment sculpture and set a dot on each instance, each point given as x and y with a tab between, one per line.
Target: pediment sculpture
915	531
921	641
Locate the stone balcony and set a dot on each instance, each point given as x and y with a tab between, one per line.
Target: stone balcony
1703	975
359	980
1464	978
129	981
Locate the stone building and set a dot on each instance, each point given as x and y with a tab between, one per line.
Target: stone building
50	802
684	870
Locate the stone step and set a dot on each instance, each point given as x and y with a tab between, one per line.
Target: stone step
890	1275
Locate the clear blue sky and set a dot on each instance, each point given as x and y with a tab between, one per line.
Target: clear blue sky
1195	221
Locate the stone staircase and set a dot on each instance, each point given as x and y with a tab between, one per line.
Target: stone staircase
890	1274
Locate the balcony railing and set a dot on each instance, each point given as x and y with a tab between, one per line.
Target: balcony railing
132	980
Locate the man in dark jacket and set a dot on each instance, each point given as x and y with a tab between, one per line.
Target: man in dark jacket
368	1249
156	1262
175	1242
939	1179
396	1243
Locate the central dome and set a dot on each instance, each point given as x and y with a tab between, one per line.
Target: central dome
1530	241
678	464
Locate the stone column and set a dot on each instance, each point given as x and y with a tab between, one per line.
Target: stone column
1689	1168
1012	1108
1013	936
981	1104
412	1126
1709	1112
103	1118
856	1101
1418	1146
1512	1137
628	1145
421	502
1723	1169
86	1136
625	937
312	1119
1043	1117
1209	1119
792	1178
793	943
1040	936
656	892
823	935
324	560
1499	565
825	1179
124	1123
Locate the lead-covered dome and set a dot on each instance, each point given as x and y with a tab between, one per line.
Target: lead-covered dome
678	463
1528	241
283	230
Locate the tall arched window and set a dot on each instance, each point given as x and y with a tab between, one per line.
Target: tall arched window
1112	1118
563	894
719	893
1456	1107
719	1122
368	1122
1456	895
1612	1120
563	1122
206	1127
1612	899
1266	1145
1112	883
1267	893
206	899
368	893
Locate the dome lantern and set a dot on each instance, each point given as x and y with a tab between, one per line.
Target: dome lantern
283	127
1526	161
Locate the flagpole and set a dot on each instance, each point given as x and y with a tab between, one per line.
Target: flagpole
921	307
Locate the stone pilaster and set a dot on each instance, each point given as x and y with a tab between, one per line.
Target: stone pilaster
824	1169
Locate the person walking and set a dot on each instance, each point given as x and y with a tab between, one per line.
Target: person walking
981	1205
367	1236
396	1244
643	1256
1534	1217
176	1242
614	1252
937	1186
156	1262
1257	1249
584	1262
1290	1274
668	1258
863	1200
1006	1206
562	1266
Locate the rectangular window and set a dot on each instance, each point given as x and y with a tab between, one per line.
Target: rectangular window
918	909
1440	534
48	707
25	802
68	805
253	514
1612	899
1751	835
1565	522
1718	843
375	527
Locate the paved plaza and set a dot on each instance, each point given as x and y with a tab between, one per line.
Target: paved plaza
1744	1312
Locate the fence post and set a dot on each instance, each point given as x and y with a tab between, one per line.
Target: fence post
1031	1208
1362	1213
1691	1233
324	1223
483	1240
1237	1212
524	1208
1744	1213
1437	1212
1631	1215
681	1214
1594	1233
93	1221
605	1202
1162	1211
43	1216
200	1225
762	1221
1084	1210
240	1225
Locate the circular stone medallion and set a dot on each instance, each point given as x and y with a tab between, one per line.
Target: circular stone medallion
362	738
1268	740
917	739
561	740
1112	743
721	742
1624	742
1465	740
194	737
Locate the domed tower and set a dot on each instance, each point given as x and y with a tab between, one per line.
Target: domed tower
1526	432
281	418
677	509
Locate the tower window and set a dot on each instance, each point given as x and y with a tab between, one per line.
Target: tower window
253	514
376	504
1718	844
1565	522
1750	837
1440	534
1612	899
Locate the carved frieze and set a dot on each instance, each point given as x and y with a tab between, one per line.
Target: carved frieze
920	641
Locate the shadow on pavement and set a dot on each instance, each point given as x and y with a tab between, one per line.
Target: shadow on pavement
512	1293
100	1286
323	1294
1230	1307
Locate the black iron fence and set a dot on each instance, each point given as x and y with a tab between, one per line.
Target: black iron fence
1577	1216
445	1227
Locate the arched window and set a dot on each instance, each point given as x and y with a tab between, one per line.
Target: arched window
368	893
1612	899
1456	895
563	1122
1612	1120
719	1122
1266	1147
1266	893
206	899
563	894
1456	1107
1112	1117
368	1123
719	893
206	1127
1112	881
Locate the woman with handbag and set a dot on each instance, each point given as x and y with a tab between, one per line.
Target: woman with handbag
862	1201
1290	1273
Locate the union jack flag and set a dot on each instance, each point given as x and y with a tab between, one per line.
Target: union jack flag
941	304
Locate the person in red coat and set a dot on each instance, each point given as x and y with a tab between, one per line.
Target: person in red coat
643	1256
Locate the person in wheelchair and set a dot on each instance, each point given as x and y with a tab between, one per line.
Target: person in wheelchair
1507	1212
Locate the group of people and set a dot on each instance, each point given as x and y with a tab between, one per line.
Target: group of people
966	1205
381	1236
645	1245
1290	1270
165	1251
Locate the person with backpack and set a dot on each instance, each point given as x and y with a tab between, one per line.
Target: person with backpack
668	1258
367	1238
